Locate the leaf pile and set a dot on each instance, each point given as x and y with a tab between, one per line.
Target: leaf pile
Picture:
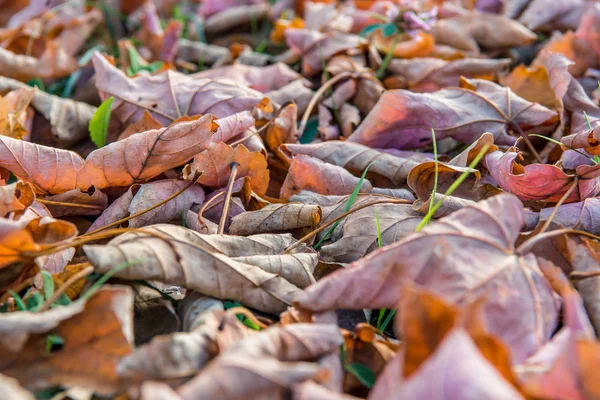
328	199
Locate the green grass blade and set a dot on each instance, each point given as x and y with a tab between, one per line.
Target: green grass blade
378	226
362	373
351	201
106	277
98	126
452	188
435	178
561	144
18	300
48	284
388	57
387	320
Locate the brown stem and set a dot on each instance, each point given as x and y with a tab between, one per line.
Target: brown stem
207	205
578	275
339	217
317	96
234	171
67	284
557	206
65	204
527	141
160	203
529	243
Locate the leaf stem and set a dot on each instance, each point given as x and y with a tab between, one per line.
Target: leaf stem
234	171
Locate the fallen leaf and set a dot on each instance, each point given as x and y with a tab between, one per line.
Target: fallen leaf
15	198
491	237
309	173
403	119
53	63
75	197
172	259
11	390
104	321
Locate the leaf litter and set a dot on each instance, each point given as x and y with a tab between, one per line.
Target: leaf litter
320	199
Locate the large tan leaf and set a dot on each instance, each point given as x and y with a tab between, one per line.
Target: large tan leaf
296	268
68	119
104	322
169	95
387	170
53	63
469	253
274	359
404	120
174	260
276	218
137	158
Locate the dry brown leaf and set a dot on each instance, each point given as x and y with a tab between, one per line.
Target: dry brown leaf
294	217
274	359
215	165
91	197
138	158
15	197
312	174
53	63
11	390
434	258
169	95
284	129
68	119
141	197
473	29
386	171
295	268
146	123
174	260
105	321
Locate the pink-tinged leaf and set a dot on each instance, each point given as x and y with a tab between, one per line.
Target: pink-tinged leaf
316	46
455	371
583	215
309	173
263	79
520	307
210	7
169	95
540	182
431	74
232	126
404	120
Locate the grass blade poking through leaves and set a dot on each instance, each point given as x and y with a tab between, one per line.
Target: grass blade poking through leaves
435	178
351	201
99	123
452	188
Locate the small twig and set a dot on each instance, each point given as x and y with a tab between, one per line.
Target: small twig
191	183
65	204
341	216
248	314
531	242
26	283
560	203
579	275
317	96
63	288
234	170
527	141
209	204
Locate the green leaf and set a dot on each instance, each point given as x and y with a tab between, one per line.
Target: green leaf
378	226
48	284
435	179
53	343
63	300
389	30
369	29
36	82
362	373
134	61
35	302
18	300
99	123
310	130
106	277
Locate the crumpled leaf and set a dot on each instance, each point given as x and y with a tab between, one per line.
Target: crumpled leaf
431	74
309	173
91	197
215	165
315	46
169	95
141	197
404	120
486	232
53	63
387	170
276	218
105	321
471	30
296	268
540	182
171	258
68	119
15	115
137	158
275	359
263	79
15	197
